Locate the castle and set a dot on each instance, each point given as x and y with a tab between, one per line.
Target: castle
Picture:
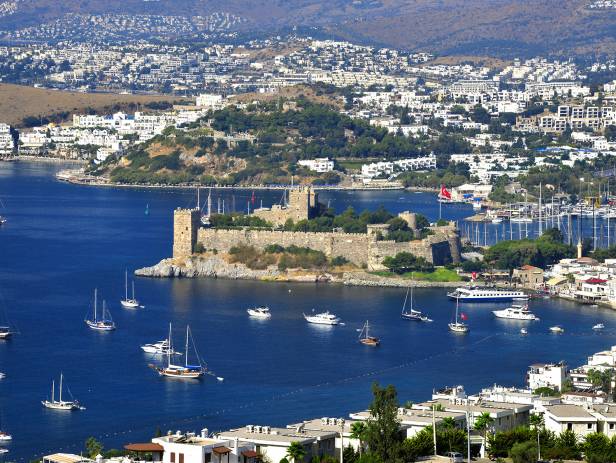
365	250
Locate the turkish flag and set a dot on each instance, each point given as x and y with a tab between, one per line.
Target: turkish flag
463	316
474	275
444	193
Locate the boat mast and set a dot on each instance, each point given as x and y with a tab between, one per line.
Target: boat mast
405	298
457	304
53	390
61	378
170	348
126	285
95	299
186	354
133	290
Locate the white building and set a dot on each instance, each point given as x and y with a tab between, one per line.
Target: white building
392	169
210	101
6	140
191	448
320	165
550	375
563	417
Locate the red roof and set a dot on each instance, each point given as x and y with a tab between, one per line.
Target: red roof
221	450
145	447
250	454
595	281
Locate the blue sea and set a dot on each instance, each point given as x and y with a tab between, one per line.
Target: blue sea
62	241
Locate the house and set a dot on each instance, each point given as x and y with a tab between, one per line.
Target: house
320	165
340	426
528	276
192	448
551	375
272	443
564	417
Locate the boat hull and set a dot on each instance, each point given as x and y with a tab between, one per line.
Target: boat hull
180	374
458	328
129	304
100	327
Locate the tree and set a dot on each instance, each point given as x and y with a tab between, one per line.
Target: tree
358	431
382	433
524	452
536	421
93	447
296	452
483	423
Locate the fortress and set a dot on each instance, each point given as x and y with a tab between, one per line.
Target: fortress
365	250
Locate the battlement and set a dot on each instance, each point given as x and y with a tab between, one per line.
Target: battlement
302	204
186	224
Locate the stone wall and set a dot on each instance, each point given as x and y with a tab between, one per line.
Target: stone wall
186	224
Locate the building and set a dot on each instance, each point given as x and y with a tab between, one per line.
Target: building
302	204
7	144
562	417
550	375
191	448
320	165
529	276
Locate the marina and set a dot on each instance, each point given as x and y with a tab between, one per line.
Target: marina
98	227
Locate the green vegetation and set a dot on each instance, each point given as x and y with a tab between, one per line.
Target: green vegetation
405	262
553	447
440	274
546	250
238	220
546	391
296	452
285	258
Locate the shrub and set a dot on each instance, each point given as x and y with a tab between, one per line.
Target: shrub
339	260
524	452
273	249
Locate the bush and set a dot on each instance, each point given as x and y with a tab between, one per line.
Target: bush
524	452
404	262
273	249
475	265
339	260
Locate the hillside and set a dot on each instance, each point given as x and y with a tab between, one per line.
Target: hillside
483	27
19	102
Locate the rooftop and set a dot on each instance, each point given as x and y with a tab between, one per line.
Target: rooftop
569	411
277	435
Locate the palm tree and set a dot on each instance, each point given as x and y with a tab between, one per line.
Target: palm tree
358	430
448	424
536	421
482	423
296	452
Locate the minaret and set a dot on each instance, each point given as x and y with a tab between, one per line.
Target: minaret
579	249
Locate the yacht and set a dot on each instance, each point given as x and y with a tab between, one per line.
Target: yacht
483	294
5	332
458	326
186	371
2	375
259	312
5	437
516	312
523	331
159	348
324	318
366	339
100	324
132	302
557	329
60	404
598	327
3	451
2	220
413	315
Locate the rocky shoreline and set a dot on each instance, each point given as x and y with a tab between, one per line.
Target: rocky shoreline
217	267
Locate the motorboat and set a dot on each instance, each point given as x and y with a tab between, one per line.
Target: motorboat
105	323
598	327
523	331
5	332
557	329
259	312
5	437
516	312
129	302
458	326
324	318
66	405
497	220
412	314
484	294
2	220
159	348
366	339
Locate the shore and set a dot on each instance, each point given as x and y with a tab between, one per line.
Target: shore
45	159
217	267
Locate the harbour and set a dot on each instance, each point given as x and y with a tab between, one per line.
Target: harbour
276	371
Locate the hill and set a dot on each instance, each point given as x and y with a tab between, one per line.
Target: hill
18	103
481	27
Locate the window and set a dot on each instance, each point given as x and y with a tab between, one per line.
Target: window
208	458
569	426
172	457
611	425
181	455
588	426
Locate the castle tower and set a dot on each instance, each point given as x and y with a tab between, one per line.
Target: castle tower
185	228
579	249
303	203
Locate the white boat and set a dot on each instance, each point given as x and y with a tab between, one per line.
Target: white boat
159	348
100	324
5	437
186	371
3	451
366	339
259	312
598	326
521	220
2	375
523	331
132	302
60	404
516	312
5	332
413	315
497	220
458	326
483	294
2	220
557	329
324	318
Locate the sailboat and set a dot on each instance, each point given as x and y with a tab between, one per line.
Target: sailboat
413	315
366	339
458	326
61	404
186	371
127	303
105	323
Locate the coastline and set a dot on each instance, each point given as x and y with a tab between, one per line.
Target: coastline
217	267
45	159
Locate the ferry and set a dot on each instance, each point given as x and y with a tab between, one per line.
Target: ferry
516	312
324	318
482	294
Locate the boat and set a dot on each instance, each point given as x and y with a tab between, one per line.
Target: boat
458	326
521	220
129	303
2	375
413	315
366	339
484	294
516	312
186	371
523	331
2	220
324	318
557	329
100	324
60	404
259	312
159	348
497	220
5	437
598	326
3	451
5	332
